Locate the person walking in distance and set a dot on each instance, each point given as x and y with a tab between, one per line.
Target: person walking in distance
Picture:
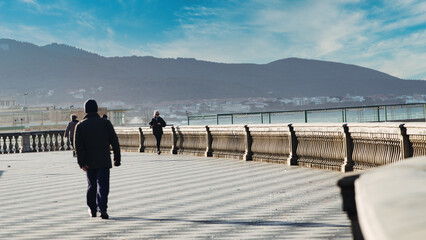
69	131
93	137
157	123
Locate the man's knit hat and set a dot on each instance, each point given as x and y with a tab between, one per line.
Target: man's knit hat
90	106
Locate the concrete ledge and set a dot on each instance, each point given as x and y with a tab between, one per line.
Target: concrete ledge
321	145
347	190
129	139
168	140
417	135
376	144
270	143
228	141
192	140
390	201
331	146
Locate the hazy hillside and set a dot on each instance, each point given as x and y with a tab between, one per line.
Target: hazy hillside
59	73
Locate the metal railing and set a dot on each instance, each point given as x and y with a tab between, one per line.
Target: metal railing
376	113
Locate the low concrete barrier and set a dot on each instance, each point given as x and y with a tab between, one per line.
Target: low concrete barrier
193	140
387	202
339	147
323	146
230	141
417	138
149	143
271	143
129	139
376	144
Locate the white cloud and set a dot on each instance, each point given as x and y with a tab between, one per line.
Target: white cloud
200	11
269	30
30	2
274	33
31	34
400	56
322	30
110	32
86	20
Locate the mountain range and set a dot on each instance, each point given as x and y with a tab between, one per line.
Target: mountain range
59	73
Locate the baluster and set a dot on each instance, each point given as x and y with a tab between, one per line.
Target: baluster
12	144
41	141
57	146
44	142
61	139
33	143
19	145
50	144
7	143
54	144
52	141
58	142
38	143
65	143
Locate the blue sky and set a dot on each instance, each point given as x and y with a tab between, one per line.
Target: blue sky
386	35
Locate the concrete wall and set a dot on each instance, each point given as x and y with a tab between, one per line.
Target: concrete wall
338	147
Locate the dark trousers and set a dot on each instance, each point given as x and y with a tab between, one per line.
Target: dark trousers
98	188
72	144
158	138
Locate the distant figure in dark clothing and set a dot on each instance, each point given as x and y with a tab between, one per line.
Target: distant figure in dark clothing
93	137
157	123
69	132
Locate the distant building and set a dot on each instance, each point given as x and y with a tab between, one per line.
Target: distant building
6	103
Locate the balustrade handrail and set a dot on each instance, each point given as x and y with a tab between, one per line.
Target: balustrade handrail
332	146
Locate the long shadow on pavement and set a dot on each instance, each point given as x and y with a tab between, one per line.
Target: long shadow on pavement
231	222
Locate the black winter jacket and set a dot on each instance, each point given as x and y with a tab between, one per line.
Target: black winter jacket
157	129
93	137
69	132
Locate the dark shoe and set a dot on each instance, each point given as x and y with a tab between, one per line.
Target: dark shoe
91	213
104	215
158	152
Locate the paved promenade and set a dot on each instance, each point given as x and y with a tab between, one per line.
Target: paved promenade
42	196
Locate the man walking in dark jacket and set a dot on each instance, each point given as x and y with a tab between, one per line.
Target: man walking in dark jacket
157	123
69	132
93	137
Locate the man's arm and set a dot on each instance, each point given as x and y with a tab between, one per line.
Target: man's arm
113	140
67	131
80	148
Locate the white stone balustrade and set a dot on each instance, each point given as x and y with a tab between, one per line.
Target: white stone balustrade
376	144
39	141
338	147
417	138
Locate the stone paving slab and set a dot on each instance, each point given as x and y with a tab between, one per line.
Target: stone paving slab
42	196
